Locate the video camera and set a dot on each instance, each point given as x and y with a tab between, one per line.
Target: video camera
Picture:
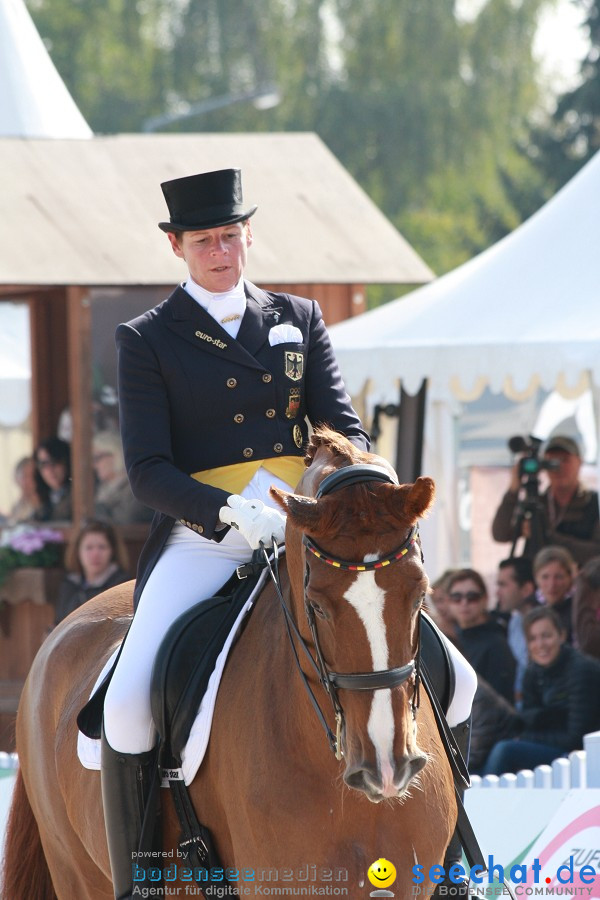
530	509
530	463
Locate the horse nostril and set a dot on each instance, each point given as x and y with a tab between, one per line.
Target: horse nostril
417	763
353	777
367	779
361	777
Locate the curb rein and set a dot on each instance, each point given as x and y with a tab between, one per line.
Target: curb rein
357	681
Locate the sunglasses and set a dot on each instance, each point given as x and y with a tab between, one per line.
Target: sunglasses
46	463
470	597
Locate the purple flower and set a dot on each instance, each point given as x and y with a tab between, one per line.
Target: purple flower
27	543
49	536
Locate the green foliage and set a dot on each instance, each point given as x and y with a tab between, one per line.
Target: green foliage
428	112
573	135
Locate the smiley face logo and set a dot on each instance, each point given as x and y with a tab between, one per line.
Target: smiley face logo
382	873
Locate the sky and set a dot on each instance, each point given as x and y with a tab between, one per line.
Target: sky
560	44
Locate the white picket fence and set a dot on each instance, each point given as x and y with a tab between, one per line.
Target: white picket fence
580	770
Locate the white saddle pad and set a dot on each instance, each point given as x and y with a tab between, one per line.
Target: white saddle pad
88	750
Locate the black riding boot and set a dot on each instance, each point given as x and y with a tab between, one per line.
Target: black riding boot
126	780
462	736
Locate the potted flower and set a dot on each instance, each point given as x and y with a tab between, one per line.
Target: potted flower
25	548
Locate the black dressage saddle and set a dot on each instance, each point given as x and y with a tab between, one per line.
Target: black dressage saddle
188	653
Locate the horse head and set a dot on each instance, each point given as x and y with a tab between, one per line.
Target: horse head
357	581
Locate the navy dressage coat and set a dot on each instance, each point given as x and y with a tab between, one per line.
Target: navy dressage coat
192	398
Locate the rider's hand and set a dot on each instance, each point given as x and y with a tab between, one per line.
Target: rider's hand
254	521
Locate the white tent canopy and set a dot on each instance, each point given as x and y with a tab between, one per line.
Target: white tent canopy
523	313
34	101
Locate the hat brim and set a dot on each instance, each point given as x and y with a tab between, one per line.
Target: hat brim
215	222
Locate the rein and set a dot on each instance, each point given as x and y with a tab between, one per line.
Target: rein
355	681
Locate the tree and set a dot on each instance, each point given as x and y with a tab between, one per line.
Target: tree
113	56
438	108
573	135
427	111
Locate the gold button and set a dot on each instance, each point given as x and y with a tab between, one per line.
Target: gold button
238	418
248	452
277	448
231	382
194	527
267	378
270	413
200	529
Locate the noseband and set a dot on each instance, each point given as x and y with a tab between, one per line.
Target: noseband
355	681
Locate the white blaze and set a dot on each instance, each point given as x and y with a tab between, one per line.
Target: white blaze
368	600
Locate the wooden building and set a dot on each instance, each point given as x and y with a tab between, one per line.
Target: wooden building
80	247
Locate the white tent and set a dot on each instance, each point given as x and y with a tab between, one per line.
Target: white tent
34	101
524	313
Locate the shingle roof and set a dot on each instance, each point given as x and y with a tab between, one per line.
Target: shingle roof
86	211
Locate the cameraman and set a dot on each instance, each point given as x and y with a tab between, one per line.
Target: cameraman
568	512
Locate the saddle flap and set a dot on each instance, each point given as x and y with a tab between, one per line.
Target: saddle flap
186	659
435	659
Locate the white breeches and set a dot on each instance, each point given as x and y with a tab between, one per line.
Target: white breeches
191	569
464	689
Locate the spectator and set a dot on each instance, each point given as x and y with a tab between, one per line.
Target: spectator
494	719
438	603
53	475
29	503
586	609
569	512
561	692
114	498
481	640
97	560
515	593
553	570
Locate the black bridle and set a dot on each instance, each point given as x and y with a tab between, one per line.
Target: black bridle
355	681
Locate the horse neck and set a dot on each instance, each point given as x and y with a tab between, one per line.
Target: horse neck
303	729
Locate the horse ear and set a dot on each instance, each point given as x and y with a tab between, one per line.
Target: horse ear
303	511
418	498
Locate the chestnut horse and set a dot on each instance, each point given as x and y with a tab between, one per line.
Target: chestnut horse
270	789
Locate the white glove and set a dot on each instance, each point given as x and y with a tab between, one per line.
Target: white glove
254	521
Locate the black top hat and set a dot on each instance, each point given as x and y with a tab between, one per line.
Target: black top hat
205	201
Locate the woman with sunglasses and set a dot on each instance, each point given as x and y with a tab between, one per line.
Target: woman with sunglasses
481	640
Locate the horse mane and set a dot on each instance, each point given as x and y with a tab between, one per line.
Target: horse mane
366	505
337	444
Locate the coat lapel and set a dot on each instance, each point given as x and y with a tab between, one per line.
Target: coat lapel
260	316
192	323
